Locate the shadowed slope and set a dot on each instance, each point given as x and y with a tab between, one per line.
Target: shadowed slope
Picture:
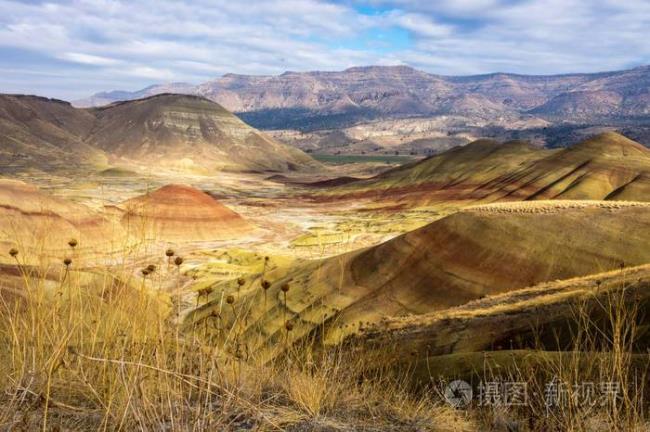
189	132
544	314
44	133
179	212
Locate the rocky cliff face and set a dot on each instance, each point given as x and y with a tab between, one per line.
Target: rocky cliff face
314	100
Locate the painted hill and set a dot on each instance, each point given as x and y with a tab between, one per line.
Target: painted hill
175	131
181	213
503	322
44	133
37	223
189	131
606	166
481	251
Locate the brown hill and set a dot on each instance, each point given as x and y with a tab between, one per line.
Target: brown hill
44	133
535	317
181	213
186	132
604	167
37	223
607	166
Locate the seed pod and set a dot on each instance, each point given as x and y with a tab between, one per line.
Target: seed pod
178	261
266	284
230	299
241	281
288	326
67	262
73	243
285	287
151	268
145	272
13	252
169	253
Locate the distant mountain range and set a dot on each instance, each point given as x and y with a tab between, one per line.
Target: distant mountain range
331	100
169	130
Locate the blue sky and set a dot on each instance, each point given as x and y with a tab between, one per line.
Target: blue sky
72	48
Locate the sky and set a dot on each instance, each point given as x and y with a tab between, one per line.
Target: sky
72	48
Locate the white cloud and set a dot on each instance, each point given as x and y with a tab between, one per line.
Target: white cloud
149	72
88	59
420	24
129	44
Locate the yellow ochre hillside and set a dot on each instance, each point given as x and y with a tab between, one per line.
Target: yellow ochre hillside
480	251
605	167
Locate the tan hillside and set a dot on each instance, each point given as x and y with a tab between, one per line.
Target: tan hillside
43	133
605	167
473	253
35	222
186	133
189	132
181	213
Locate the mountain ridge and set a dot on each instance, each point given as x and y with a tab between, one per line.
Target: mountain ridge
366	93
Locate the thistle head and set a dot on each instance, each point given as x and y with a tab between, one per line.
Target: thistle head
241	281
230	299
13	252
178	261
288	326
266	284
285	287
144	272
73	243
151	268
169	253
67	262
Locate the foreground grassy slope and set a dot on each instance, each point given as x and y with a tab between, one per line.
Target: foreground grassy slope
541	316
474	253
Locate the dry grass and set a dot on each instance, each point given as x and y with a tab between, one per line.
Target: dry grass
102	348
551	206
